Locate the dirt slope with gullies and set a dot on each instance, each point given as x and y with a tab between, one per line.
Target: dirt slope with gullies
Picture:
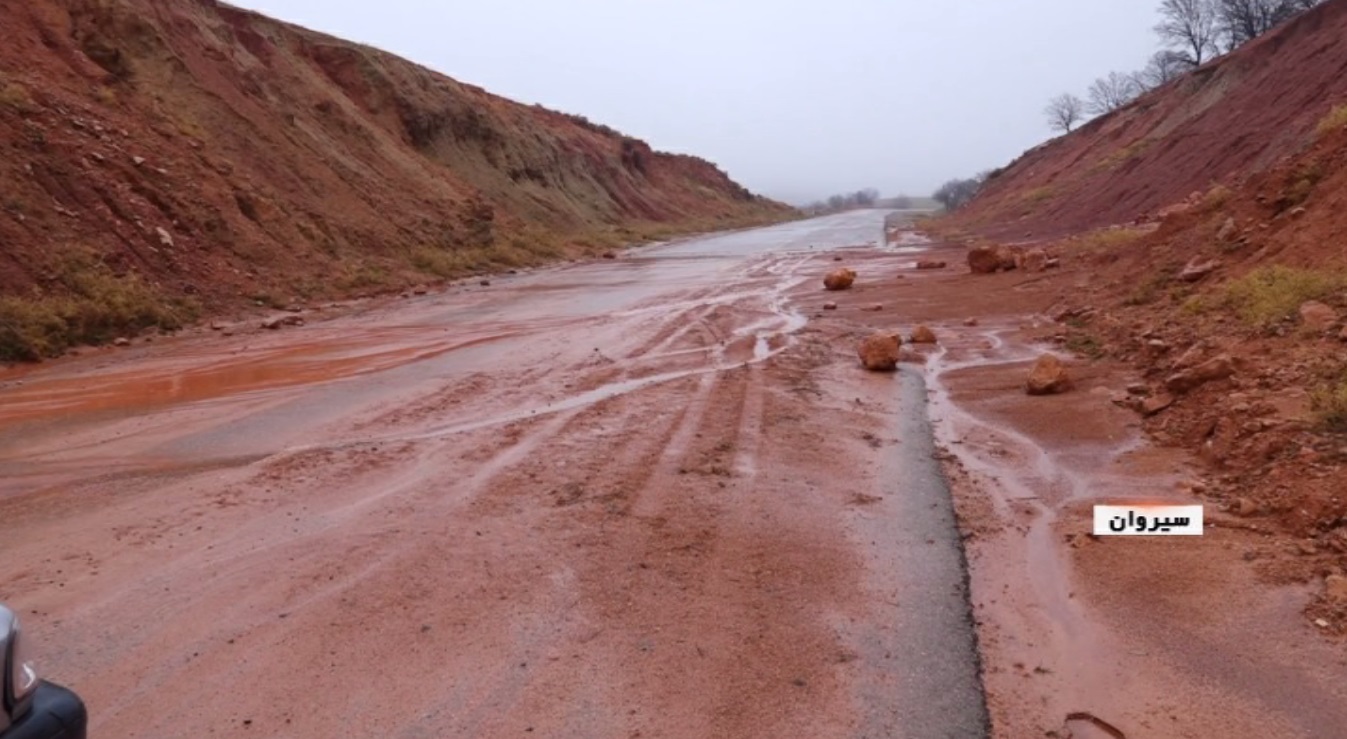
1229	295
1223	123
223	157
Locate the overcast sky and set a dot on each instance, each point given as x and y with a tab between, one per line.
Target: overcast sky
797	100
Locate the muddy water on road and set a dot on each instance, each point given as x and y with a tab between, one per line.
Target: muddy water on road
633	498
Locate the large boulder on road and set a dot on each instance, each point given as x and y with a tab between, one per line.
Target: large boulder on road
879	352
1048	377
840	279
983	260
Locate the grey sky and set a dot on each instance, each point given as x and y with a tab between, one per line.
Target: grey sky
794	99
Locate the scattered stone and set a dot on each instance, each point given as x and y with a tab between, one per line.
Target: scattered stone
875	307
930	264
121	341
830	306
485	283
1228	230
1048	377
137	161
1138	388
1196	269
879	352
419	291
1243	507
970	322
1052	263
1317	317
923	335
1216	368
1342	335
840	279
609	255
837	259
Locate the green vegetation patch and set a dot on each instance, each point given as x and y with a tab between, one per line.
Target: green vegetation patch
1335	120
94	307
1271	294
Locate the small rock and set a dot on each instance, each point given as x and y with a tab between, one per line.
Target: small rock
165	237
837	259
1317	317
609	255
419	291
121	341
485	283
137	161
1228	230
923	335
970	322
875	307
879	352
1196	269
840	279
930	264
1138	388
1048	377
830	306
1153	405
1244	507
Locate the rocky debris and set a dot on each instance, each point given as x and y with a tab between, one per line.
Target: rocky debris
830	306
1216	368
276	322
609	255
930	264
485	283
837	259
879	352
121	341
1318	317
923	335
1008	258
1139	388
1048	377
1228	231
875	307
419	291
1196	269
970	322
1243	507
840	279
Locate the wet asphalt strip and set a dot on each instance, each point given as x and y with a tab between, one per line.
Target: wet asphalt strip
926	678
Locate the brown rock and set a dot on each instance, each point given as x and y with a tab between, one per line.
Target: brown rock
1007	258
930	264
1035	260
1048	377
875	307
121	341
485	283
970	322
1228	230
879	352
1317	317
1153	405
830	306
840	279
923	335
609	255
983	260
1335	589
1216	368
1243	507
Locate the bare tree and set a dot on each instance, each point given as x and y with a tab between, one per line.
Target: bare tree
1192	27
1064	112
1107	94
1165	65
957	193
1242	21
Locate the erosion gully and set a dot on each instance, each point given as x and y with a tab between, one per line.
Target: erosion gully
651	496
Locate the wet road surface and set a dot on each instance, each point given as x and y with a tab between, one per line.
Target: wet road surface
641	497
